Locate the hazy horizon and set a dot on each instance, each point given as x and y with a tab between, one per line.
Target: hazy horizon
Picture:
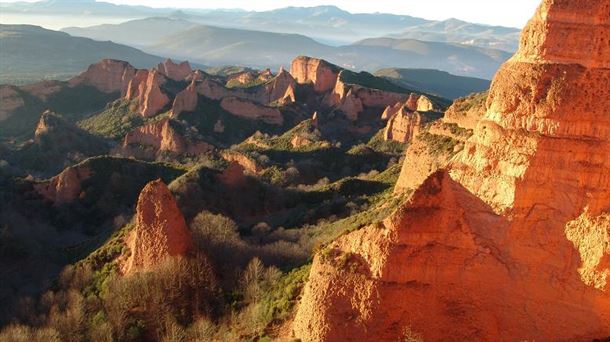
489	12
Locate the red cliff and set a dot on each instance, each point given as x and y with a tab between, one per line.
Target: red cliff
510	243
160	230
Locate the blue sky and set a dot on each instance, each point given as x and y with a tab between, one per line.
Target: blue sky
513	13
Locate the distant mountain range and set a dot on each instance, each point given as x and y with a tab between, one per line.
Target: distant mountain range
327	24
212	45
435	82
31	53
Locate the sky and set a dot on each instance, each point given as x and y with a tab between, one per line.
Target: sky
514	13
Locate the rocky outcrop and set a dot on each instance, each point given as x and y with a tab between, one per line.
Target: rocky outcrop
66	187
467	112
108	75
511	242
421	103
145	91
160	230
176	72
161	137
186	100
10	100
248	163
352	99
321	74
403	126
251	110
281	90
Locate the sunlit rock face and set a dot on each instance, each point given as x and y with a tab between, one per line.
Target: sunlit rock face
145	92
160	230
174	71
108	75
511	242
320	73
155	139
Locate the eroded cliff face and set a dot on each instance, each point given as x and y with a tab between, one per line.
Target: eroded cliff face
145	91
152	140
352	99
160	230
176	72
321	74
403	126
186	100
66	187
511	243
251	110
108	75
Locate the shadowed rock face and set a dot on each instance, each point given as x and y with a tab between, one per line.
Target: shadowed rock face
160	229
149	141
176	72
511	242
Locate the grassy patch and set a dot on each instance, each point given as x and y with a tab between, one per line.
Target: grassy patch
438	144
114	122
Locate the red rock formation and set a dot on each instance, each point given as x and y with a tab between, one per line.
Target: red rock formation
280	89
466	112
160	230
251	110
108	76
420	103
149	141
186	100
351	99
320	73
65	187
403	126
176	72
233	176
145	90
510	243
249	164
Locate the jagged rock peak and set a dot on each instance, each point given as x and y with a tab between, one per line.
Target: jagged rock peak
176	72
320	73
160	230
108	75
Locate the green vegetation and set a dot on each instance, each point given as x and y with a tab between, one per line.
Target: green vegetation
378	143
438	144
114	122
463	105
368	80
236	84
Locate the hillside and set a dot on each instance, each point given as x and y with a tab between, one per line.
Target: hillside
137	33
31	53
435	81
218	46
221	46
458	31
410	53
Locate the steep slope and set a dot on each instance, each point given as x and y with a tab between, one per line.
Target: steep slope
64	55
509	243
56	145
435	81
